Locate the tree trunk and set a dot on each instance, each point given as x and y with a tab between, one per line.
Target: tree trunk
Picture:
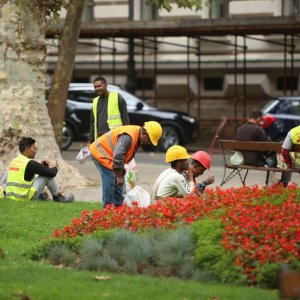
64	67
22	89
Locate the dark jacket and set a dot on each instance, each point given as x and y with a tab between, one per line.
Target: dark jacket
252	132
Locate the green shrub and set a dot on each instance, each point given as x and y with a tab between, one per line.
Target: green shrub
175	251
61	255
267	275
211	257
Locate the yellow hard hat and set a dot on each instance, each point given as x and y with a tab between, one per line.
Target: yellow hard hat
175	153
154	131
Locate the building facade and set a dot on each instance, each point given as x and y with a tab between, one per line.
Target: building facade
208	75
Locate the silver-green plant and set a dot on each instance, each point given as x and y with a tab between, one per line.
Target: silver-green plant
61	255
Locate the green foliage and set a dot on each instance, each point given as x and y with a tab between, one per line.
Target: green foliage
42	10
176	250
267	275
212	259
166	4
61	255
24	225
156	252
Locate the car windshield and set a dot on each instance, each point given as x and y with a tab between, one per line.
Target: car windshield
270	107
288	106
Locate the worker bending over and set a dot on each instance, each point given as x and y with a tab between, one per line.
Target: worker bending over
114	149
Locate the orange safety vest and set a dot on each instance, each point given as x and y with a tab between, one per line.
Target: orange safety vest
103	148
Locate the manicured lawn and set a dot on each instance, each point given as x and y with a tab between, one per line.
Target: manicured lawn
23	225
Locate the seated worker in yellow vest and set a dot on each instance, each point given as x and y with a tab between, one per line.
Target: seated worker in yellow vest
171	182
114	149
292	138
200	163
23	185
109	110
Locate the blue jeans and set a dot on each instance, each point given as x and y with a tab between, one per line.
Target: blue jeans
111	193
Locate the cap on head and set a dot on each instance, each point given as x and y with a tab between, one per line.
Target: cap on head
154	131
176	153
203	158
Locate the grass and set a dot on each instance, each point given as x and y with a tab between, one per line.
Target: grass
22	225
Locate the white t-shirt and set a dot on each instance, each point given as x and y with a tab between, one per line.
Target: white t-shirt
170	183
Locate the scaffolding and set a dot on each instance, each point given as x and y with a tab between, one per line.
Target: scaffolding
139	35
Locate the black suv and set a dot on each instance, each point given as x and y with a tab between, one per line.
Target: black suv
286	111
178	127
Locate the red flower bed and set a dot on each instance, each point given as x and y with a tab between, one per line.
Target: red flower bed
260	224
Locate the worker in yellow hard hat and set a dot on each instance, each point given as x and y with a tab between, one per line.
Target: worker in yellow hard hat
114	149
171	182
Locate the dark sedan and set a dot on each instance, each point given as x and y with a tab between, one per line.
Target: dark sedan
178	127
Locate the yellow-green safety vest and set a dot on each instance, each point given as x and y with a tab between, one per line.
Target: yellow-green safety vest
113	112
295	137
17	188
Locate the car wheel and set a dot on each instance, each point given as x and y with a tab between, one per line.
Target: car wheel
67	137
169	138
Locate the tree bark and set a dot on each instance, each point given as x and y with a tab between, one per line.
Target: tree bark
22	89
64	67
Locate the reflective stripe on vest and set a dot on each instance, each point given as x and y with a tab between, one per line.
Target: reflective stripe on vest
113	112
103	148
17	188
295	137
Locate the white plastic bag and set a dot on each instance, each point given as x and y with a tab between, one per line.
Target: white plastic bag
237	158
131	175
139	195
83	154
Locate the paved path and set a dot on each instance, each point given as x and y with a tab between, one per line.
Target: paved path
150	165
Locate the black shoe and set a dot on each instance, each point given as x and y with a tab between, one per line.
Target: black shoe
61	198
44	196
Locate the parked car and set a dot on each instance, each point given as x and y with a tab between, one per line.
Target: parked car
286	113
178	127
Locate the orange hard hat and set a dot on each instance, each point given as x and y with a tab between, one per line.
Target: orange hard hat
203	158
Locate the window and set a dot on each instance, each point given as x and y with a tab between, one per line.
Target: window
213	83
81	80
146	83
295	107
219	9
290	7
291	83
148	11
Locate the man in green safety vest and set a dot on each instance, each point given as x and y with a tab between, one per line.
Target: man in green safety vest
22	183
108	112
292	138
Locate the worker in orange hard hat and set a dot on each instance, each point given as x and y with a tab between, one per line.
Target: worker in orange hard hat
200	163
